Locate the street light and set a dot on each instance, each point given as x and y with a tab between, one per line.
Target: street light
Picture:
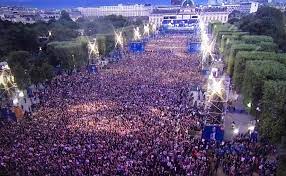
50	33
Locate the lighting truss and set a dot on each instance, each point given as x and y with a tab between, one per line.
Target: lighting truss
216	98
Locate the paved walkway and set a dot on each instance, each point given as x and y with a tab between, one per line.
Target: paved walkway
242	120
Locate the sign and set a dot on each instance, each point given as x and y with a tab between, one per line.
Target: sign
213	132
194	47
136	47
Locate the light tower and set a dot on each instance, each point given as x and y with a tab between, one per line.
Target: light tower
93	51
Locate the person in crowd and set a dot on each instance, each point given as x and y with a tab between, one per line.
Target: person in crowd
136	118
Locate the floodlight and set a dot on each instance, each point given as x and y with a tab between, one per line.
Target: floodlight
15	101
146	29
137	35
251	128
119	39
236	131
249	105
21	94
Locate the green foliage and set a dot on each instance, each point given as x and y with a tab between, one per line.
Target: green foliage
274	108
240	63
236	35
15	37
254	39
281	57
233	51
41	73
21	58
256	72
27	69
20	63
268	46
267	21
68	54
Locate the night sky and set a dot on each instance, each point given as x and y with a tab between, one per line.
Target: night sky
77	3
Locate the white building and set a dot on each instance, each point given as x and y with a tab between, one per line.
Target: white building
231	7
136	10
208	17
188	12
248	7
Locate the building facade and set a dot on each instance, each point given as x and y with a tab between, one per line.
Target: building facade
136	10
176	2
189	12
248	7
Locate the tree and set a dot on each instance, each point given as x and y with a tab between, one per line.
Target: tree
20	58
41	73
68	54
266	21
240	63
256	72
65	16
273	110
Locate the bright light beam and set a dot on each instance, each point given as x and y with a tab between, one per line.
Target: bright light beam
119	39
137	35
146	29
154	27
93	48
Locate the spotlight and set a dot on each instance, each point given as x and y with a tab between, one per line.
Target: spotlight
236	131
21	94
15	101
119	39
249	105
251	128
146	29
137	35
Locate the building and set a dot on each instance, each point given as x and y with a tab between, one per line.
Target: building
136	10
248	7
50	15
231	7
188	11
176	2
215	2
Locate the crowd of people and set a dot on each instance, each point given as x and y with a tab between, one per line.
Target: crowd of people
136	117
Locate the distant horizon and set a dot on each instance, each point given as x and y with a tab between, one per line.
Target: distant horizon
61	4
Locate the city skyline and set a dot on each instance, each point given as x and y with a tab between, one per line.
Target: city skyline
83	3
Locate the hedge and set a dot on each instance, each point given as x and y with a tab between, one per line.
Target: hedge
233	51
256	72
273	110
253	39
240	60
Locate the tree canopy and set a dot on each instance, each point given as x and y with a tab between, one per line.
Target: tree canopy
266	21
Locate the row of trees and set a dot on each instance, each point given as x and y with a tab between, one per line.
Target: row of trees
35	51
258	72
267	21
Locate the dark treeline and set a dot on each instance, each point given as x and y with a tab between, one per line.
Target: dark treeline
33	51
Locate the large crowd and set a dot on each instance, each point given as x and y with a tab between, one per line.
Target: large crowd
136	117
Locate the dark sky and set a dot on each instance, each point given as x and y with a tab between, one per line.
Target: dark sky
77	3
